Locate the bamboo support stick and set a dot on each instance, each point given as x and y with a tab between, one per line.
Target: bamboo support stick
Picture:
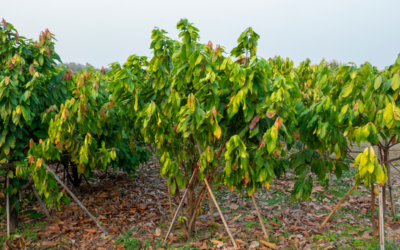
41	202
8	206
76	199
220	213
381	221
337	206
260	218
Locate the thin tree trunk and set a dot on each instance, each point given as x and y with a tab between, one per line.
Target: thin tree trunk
179	207
178	197
190	212
389	169
170	203
211	209
193	216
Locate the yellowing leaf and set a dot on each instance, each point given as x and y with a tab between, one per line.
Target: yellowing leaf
344	109
347	89
395	82
370	167
388	115
364	158
378	82
371	154
217	131
396	112
357	160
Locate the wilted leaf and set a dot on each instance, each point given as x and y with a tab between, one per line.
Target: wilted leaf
254	121
270	114
278	123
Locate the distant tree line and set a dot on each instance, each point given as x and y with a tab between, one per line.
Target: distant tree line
75	66
78	67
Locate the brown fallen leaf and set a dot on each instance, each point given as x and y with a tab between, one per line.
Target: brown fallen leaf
267	244
216	242
274	224
197	244
250	217
49	243
254	245
322	241
204	246
295	228
234	206
90	230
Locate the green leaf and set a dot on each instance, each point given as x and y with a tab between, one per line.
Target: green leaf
347	89
396	112
41	134
321	172
378	82
297	191
388	115
396	81
398	59
199	58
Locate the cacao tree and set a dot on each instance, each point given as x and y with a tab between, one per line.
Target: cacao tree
227	119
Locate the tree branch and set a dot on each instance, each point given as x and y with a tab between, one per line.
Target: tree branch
392	160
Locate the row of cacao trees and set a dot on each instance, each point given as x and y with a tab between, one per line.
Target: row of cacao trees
230	118
50	115
233	118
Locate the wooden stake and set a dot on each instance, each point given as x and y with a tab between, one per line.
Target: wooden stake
76	199
260	218
337	206
220	213
41	202
381	220
8	206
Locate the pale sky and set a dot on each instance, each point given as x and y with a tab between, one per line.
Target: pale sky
101	32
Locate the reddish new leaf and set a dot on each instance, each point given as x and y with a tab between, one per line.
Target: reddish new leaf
210	45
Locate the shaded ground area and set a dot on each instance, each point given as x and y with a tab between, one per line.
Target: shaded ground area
135	211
